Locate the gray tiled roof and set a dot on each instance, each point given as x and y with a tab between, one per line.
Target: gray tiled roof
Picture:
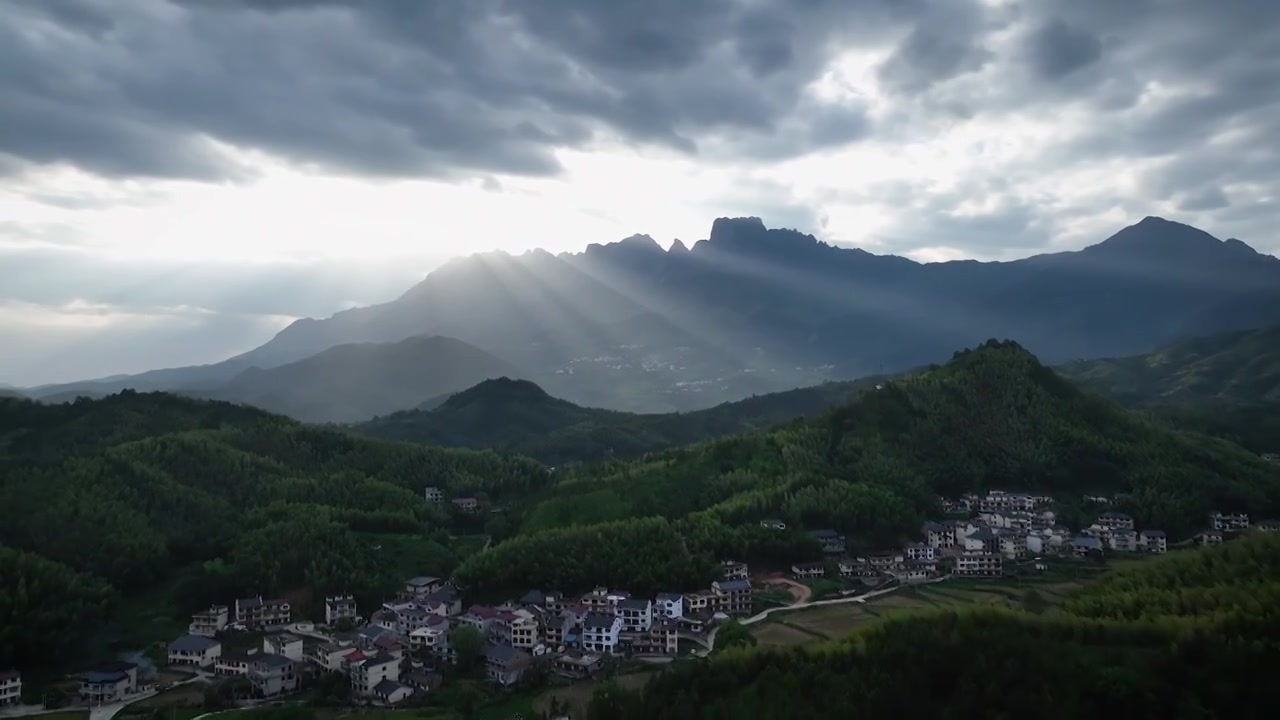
192	643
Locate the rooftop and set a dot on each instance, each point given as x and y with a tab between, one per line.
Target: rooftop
386	687
636	604
598	620
733	585
192	643
272	661
422	581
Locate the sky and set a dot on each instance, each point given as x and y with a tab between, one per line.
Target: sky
180	180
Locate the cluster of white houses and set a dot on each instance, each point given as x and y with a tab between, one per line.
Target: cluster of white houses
465	503
1005	526
571	635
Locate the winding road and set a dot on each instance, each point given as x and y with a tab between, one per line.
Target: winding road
708	644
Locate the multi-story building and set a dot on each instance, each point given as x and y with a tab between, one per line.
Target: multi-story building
733	570
669	605
109	682
480	617
289	646
916	571
809	570
1211	537
505	665
733	597
939	536
329	656
1013	543
272	675
1124	540
1115	521
852	567
432	637
920	551
433	494
698	602
600	632
466	504
773	524
10	687
340	607
636	614
196	650
1154	541
233	663
517	628
1086	545
979	564
258	614
1229	522
209	622
366	671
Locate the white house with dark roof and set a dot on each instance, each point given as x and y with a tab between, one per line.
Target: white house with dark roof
273	675
733	597
340	607
979	563
669	605
366	671
1153	541
1085	545
1115	521
433	636
830	540
920	551
10	687
979	538
505	665
209	622
1212	536
258	614
422	585
733	570
636	614
808	570
109	682
1124	540
390	692
1229	522
284	644
600	632
196	650
433	494
1013	543
939	536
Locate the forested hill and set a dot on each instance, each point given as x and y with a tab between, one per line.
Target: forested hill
1187	635
518	416
993	417
1238	368
115	497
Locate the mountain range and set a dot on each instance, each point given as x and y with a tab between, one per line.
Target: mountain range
750	310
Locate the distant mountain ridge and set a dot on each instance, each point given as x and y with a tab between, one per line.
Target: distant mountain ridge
1241	367
348	383
752	310
518	416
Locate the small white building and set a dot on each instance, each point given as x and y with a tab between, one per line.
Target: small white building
209	622
433	637
1124	540
920	551
285	644
367	671
10	687
1154	541
1013	544
669	605
196	650
809	570
733	570
433	494
600	632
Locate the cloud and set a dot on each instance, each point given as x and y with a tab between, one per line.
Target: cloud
1056	49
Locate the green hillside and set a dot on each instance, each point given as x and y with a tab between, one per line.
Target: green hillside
208	501
992	417
519	417
1188	635
1241	367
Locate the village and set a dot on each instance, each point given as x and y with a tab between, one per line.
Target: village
399	654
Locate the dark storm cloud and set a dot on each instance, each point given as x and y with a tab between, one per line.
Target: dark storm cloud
1056	49
422	88
1207	199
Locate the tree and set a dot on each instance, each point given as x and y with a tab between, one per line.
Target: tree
734	634
467	643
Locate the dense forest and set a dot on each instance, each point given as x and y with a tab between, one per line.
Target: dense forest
992	417
1188	635
133	492
1233	368
217	501
519	417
